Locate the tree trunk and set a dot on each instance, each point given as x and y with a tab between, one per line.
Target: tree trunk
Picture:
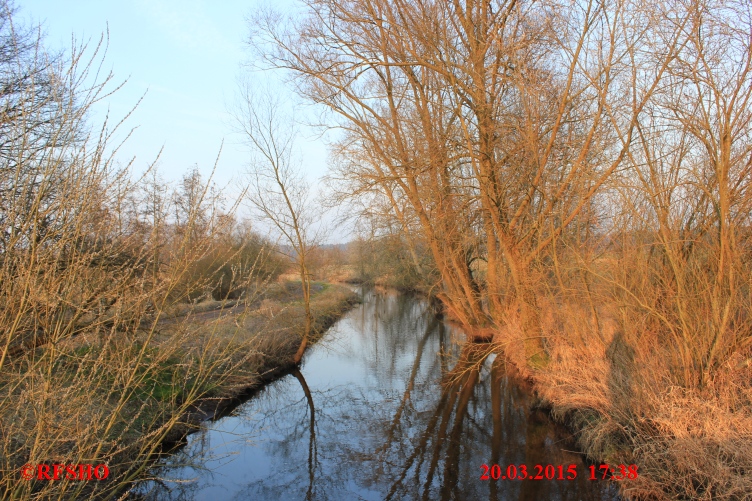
525	300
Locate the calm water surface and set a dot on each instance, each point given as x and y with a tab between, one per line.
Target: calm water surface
390	405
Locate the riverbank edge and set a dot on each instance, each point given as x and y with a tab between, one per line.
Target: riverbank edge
582	422
575	420
274	368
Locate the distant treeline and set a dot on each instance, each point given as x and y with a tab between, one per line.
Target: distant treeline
83	241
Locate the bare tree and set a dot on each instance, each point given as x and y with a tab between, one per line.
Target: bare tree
497	122
279	191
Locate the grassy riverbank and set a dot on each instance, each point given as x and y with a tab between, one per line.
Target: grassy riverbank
114	399
617	396
611	376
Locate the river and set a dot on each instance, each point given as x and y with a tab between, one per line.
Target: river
390	404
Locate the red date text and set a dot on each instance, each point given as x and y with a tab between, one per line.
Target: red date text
557	472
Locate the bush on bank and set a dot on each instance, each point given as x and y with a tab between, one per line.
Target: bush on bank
97	365
114	400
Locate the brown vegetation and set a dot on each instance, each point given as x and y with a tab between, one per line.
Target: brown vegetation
578	174
103	276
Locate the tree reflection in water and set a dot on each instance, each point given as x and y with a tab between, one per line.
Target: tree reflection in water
392	406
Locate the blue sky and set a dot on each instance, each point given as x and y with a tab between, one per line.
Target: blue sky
186	55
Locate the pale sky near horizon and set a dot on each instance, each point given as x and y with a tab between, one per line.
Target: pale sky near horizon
186	56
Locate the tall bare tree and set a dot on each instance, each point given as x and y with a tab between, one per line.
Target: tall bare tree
496	121
279	191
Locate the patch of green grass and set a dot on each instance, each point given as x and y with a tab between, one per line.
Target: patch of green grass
163	384
82	351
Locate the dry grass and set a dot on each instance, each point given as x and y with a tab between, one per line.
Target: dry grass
114	400
622	400
106	347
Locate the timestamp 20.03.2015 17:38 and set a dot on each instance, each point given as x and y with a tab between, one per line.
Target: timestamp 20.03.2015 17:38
557	472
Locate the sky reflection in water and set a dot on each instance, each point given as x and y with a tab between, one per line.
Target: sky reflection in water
390	405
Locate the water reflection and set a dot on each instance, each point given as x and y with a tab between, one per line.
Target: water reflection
391	405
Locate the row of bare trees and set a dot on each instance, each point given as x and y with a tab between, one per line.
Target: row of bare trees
82	240
505	135
93	255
